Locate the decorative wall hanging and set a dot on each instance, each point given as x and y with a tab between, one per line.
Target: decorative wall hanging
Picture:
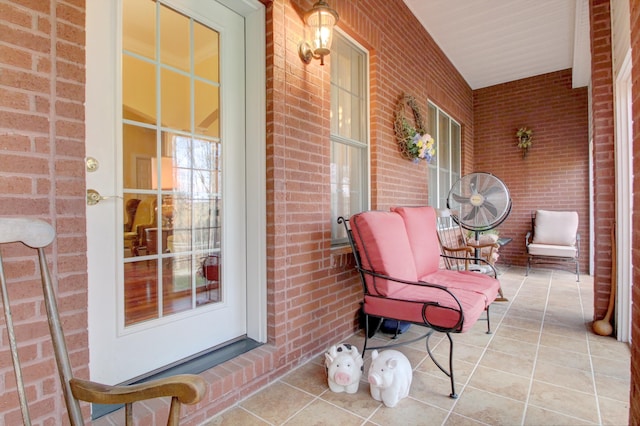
525	139
414	142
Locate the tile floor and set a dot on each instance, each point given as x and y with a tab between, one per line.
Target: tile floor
541	366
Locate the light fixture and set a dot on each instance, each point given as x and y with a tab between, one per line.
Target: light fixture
167	183
320	21
167	171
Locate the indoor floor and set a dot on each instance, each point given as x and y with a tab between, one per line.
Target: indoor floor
541	366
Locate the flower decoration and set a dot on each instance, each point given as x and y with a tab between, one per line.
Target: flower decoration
525	139
421	147
413	141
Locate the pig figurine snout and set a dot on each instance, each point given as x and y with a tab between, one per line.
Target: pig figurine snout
344	368
389	376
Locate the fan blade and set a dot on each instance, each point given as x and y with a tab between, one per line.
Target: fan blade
460	199
474	181
492	190
489	206
471	214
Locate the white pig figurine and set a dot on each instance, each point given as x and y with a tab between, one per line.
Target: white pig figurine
390	376
344	368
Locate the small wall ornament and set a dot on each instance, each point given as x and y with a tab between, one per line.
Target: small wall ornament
525	140
414	142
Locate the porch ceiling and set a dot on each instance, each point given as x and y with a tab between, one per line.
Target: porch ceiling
497	41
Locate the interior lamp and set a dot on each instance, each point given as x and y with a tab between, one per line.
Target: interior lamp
320	21
167	182
166	178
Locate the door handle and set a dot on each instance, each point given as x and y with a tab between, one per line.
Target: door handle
94	197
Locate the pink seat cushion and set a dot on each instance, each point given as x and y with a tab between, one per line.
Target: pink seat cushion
474	282
465	285
444	315
420	223
384	248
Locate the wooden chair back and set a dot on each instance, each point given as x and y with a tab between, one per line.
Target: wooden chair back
186	388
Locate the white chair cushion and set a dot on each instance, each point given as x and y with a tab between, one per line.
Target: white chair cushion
555	228
551	250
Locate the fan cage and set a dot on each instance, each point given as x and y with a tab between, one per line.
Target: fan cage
469	181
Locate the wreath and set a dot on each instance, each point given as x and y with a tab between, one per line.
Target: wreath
525	139
413	140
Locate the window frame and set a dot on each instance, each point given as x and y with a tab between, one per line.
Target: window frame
364	145
434	168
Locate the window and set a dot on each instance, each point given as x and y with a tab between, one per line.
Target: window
445	170
349	133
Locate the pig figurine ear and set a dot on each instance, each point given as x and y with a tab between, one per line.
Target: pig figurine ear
392	363
328	358
331	355
374	354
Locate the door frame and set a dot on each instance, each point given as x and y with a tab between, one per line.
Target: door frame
624	198
255	160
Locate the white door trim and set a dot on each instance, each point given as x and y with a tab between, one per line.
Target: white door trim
254	13
624	198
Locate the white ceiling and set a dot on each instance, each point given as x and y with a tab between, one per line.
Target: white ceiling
497	41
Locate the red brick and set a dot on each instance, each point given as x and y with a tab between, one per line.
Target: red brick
16	57
25	39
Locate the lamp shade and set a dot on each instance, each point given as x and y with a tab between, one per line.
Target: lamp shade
321	19
167	181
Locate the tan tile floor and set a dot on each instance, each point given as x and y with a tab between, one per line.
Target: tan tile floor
541	366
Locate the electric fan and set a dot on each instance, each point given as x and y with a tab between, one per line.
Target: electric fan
479	202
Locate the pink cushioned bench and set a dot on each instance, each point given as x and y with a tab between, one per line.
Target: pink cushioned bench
398	256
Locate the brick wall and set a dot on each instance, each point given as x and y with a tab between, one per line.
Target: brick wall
42	175
602	130
554	175
315	298
634	397
399	63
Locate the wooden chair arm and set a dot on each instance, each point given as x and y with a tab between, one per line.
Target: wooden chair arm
480	246
187	388
458	249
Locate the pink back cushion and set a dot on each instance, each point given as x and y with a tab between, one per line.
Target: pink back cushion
384	248
420	223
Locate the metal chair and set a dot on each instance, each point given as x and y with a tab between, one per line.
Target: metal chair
554	239
183	389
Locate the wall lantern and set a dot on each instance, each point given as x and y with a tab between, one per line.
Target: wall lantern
320	21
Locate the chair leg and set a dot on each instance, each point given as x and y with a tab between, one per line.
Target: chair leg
488	321
370	331
449	373
526	274
577	271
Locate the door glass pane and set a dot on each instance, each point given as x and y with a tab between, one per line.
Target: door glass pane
205	46
139	39
138	90
176	100
174	39
207	111
172	160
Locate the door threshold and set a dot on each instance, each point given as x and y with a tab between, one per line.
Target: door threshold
192	365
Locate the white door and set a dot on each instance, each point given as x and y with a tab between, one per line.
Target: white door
165	122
